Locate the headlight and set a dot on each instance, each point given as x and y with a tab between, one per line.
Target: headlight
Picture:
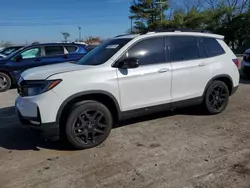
31	88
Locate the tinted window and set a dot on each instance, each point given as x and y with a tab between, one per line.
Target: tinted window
148	51
103	52
54	50
183	48
212	47
31	53
71	49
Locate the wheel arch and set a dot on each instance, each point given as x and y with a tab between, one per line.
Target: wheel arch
13	81
224	78
103	97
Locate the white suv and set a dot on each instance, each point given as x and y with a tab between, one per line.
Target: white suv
127	76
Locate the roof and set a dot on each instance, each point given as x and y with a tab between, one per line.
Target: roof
55	44
163	33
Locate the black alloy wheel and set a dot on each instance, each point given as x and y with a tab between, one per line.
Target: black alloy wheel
88	125
217	97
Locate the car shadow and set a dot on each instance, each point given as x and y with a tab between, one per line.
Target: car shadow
244	80
14	137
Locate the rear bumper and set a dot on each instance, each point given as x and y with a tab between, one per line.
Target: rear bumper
234	89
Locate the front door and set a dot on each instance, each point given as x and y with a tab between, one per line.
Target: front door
150	84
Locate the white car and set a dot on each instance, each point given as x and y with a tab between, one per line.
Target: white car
127	76
245	64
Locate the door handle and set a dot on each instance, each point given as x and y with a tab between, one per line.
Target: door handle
163	70
38	60
202	64
65	57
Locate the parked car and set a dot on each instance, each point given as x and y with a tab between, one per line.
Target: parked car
124	77
7	51
36	55
245	64
91	47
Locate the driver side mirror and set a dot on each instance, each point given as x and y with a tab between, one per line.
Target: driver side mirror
19	58
128	63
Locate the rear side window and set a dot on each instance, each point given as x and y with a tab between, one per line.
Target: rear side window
183	48
71	49
148	51
54	50
212	47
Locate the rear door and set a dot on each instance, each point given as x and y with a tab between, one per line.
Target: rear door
73	53
191	70
54	54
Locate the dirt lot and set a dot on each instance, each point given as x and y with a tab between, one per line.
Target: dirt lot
181	149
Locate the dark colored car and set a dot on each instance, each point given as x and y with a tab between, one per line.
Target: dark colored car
7	51
37	55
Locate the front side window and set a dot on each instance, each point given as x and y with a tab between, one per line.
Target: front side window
31	53
183	48
103	52
54	50
148	51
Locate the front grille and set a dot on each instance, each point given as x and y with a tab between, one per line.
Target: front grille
247	57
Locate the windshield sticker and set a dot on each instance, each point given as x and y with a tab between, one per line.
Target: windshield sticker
114	46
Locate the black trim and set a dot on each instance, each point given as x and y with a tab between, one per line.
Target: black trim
160	108
144	111
81	94
234	90
187	103
215	78
48	130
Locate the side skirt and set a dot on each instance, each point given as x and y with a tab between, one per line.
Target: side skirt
160	108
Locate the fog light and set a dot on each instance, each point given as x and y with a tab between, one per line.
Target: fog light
35	122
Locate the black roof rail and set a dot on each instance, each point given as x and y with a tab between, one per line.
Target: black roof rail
182	30
123	35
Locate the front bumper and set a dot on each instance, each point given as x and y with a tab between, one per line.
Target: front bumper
48	130
39	114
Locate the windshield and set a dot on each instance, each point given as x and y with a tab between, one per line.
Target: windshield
9	50
104	52
14	53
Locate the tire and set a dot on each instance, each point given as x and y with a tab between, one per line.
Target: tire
216	97
5	82
88	125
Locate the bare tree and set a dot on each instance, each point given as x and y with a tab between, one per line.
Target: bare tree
66	35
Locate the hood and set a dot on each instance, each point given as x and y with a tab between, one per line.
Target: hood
43	72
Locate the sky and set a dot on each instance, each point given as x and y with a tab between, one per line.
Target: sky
44	20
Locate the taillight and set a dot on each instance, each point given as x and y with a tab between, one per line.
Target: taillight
236	62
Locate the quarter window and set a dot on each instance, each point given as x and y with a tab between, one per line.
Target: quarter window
183	48
71	49
212	47
54	50
31	53
148	51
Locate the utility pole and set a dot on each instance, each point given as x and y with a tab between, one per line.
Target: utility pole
80	33
161	7
131	26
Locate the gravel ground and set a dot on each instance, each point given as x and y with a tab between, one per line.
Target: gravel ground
180	149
